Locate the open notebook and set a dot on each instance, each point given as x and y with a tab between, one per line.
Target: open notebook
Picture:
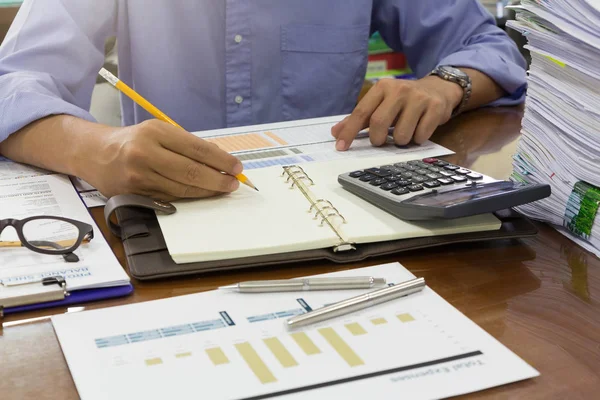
297	208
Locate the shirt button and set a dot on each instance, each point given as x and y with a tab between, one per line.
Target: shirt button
239	99
238	38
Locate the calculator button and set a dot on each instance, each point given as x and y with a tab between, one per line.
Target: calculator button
451	167
357	174
446	173
474	176
414	162
445	181
394	178
404	183
458	178
389	186
367	177
400	165
434	175
430	160
415	188
434	169
396	170
440	163
400	191
407	175
431	184
462	171
378	181
419	179
386	167
422	171
378	172
409	167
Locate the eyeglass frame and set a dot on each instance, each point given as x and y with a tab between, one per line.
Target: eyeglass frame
86	232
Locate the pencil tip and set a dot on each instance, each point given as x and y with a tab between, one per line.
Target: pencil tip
255	188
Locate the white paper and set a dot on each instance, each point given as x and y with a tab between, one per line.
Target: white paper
417	347
303	141
53	195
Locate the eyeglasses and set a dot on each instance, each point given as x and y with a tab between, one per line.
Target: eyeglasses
49	235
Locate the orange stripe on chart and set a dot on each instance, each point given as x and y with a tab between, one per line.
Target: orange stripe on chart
250	141
276	138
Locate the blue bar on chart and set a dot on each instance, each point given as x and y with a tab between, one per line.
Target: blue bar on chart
169	331
275	315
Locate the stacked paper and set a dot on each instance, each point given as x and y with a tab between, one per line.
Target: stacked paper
560	143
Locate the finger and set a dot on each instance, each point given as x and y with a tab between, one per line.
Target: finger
202	151
407	122
428	124
383	118
188	172
166	188
359	119
336	129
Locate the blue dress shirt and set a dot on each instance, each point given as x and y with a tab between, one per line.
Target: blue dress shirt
219	63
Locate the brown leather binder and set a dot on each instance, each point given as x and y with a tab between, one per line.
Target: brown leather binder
148	256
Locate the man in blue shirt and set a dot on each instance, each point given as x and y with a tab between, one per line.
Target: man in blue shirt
218	63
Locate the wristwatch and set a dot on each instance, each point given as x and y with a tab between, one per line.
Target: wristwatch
455	75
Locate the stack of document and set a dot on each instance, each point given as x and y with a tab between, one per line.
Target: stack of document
560	138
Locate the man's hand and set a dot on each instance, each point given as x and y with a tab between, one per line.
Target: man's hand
159	160
414	108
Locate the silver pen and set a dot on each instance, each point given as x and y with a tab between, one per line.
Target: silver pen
358	303
294	285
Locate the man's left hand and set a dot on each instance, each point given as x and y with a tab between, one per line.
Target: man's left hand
413	108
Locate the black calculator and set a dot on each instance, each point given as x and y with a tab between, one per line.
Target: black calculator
430	188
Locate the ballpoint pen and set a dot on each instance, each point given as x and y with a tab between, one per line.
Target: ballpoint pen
146	105
292	285
357	303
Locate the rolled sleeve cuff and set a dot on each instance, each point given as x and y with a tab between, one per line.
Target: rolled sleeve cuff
506	73
22	108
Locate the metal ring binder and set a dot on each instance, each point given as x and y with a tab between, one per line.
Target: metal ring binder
295	173
322	207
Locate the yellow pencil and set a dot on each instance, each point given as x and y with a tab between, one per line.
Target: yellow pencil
146	105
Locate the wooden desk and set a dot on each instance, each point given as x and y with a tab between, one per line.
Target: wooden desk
539	296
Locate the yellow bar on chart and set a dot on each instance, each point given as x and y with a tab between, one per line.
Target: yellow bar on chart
255	363
378	321
356	329
183	355
280	352
307	345
405	317
341	347
153	361
217	356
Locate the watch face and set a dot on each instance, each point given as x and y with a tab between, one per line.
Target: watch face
453	71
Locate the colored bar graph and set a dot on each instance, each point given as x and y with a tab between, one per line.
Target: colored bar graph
341	347
183	355
249	141
307	345
356	329
255	363
153	361
280	352
217	356
276	138
378	321
405	317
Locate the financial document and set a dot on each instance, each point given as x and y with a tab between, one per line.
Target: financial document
227	345
53	195
89	194
303	141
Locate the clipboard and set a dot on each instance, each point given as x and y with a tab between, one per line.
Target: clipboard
148	257
51	292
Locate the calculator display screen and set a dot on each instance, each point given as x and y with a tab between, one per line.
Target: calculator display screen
465	194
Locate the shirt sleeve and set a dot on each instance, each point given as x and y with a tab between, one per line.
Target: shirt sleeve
459	33
50	58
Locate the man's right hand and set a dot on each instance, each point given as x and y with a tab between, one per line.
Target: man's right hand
161	161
